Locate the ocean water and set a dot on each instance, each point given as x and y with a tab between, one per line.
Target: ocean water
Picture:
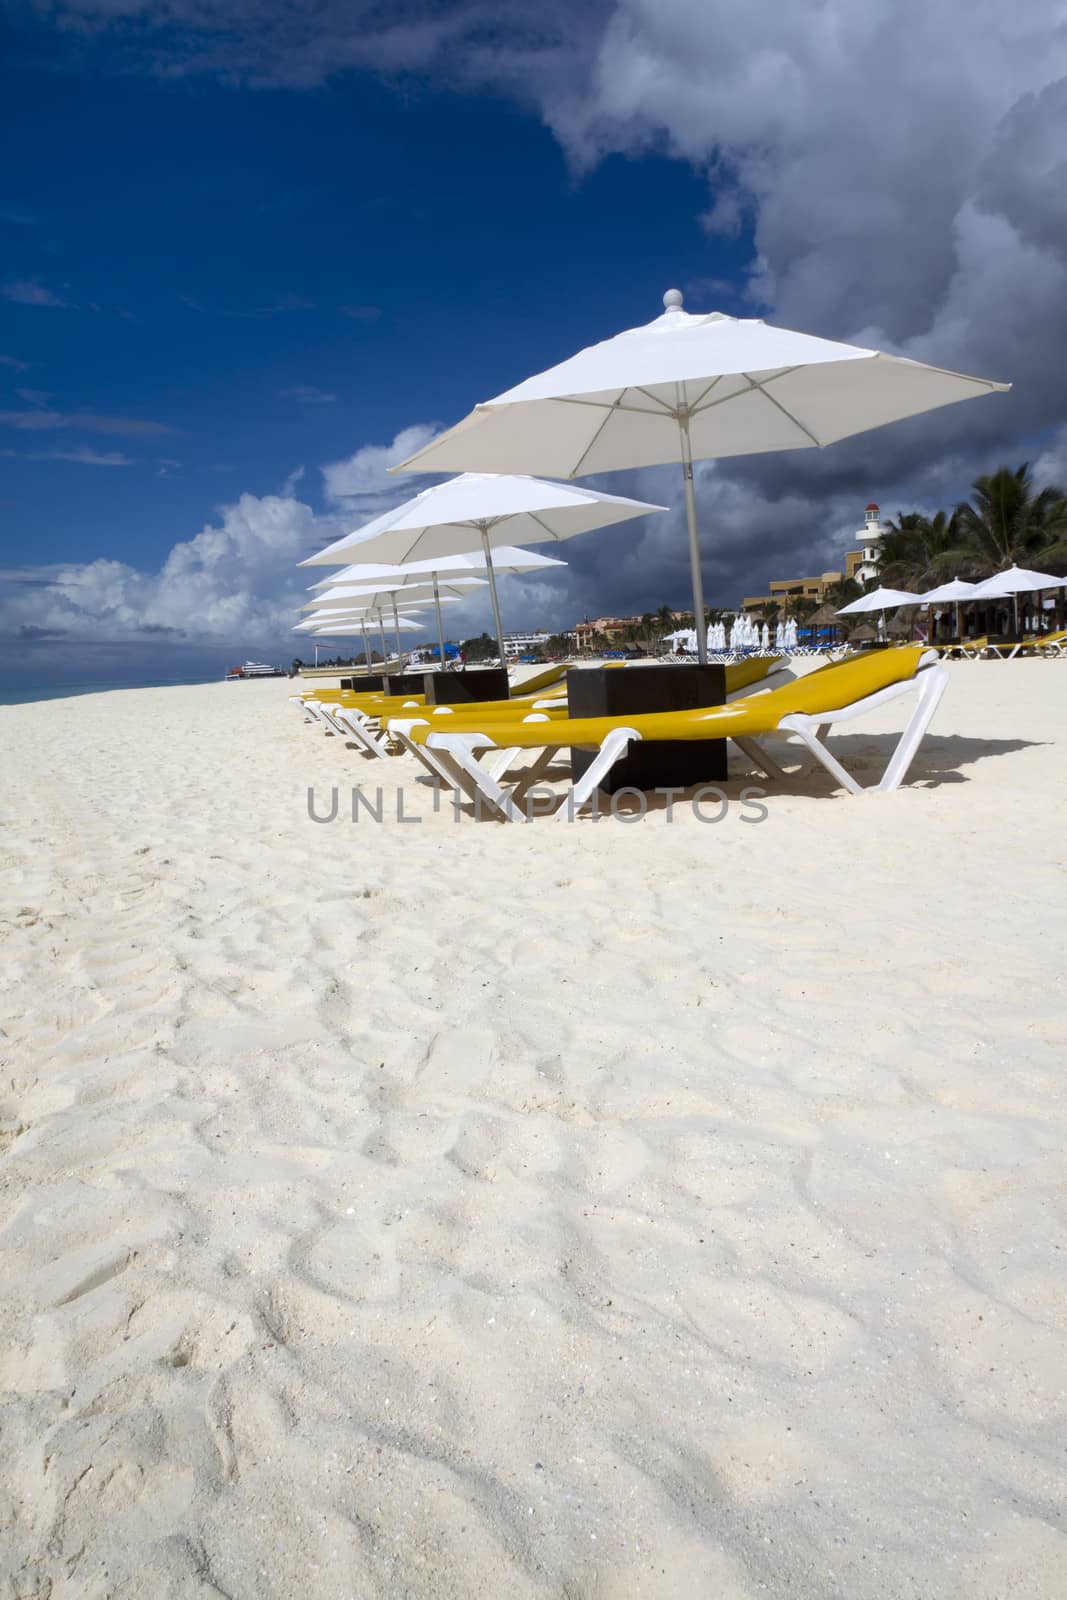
22	695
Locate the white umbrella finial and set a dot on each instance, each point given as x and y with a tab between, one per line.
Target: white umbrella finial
672	300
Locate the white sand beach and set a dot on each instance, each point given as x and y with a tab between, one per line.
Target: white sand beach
443	1209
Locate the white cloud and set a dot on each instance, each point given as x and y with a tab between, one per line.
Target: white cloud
82	455
308	395
234	584
361	481
902	168
28	292
39	421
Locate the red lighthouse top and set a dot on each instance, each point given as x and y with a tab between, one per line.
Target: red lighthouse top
872	506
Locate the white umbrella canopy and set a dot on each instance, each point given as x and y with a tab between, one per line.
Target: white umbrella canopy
405	593
1013	583
881	600
958	589
354	625
482	510
398	591
506	558
1017	580
690	387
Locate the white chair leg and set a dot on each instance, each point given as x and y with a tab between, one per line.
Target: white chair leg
398	732
369	742
458	752
611	750
928	685
759	758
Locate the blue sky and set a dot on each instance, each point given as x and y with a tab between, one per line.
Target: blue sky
222	262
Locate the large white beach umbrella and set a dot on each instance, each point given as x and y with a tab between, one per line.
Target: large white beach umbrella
478	511
685	388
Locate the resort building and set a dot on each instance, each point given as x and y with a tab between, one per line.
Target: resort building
585	633
783	589
862	564
517	644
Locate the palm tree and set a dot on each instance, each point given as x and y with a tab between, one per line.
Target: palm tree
1007	524
918	552
842	592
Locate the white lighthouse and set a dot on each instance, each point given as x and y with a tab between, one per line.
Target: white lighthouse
863	563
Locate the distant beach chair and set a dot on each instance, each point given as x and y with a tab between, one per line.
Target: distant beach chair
1046	644
964	649
806	707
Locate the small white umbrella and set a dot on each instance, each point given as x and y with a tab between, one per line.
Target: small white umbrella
1017	580
1014	582
687	388
395	590
506	558
881	600
959	589
347	625
454	569
406	594
480	510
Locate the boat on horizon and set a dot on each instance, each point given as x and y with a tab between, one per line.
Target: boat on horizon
254	669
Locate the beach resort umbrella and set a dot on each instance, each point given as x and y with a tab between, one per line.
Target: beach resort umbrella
396	590
506	558
406	594
358	625
882	600
1014	582
687	388
959	589
477	511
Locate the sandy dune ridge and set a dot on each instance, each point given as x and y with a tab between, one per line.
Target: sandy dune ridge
607	1210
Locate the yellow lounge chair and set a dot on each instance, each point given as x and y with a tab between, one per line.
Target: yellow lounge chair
740	675
806	707
1046	644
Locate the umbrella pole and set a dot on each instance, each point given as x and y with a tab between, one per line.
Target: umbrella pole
491	575
368	664
694	543
440	629
385	648
399	646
